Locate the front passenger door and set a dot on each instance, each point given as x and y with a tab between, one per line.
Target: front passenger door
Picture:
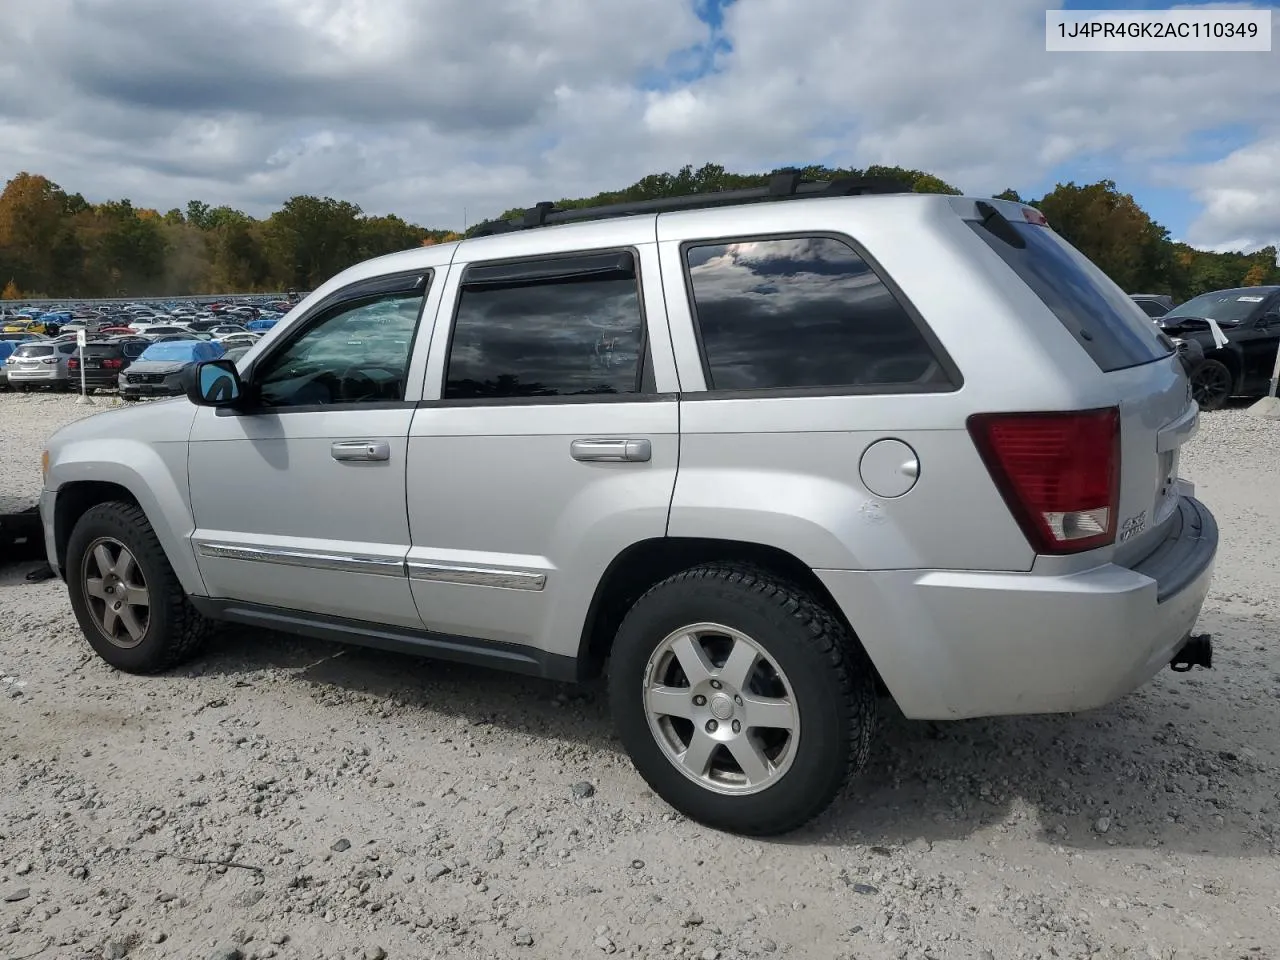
299	497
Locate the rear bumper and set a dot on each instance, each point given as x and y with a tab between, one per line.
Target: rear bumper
953	644
51	376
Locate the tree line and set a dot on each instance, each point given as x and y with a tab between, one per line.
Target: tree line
55	244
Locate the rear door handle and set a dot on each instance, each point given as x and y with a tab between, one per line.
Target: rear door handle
347	450
613	451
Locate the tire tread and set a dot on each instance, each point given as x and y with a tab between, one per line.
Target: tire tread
189	629
825	634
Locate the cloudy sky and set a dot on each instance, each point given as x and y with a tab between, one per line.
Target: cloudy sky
440	109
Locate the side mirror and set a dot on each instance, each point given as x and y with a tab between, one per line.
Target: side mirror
214	383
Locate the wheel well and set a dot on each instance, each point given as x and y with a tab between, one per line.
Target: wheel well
1232	361
649	562
74	500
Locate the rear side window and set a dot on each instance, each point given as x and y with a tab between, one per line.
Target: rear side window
803	313
1094	310
555	327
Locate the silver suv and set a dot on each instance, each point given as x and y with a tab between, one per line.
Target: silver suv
760	455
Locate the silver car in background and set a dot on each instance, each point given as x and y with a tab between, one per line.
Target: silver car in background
41	363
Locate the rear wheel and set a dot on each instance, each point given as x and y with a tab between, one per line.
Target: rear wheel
1211	384
125	595
742	701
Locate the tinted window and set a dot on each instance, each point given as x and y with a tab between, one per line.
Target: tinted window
358	352
547	337
32	350
1098	314
1152	308
805	312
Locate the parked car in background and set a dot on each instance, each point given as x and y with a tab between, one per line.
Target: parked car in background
40	363
1153	304
30	327
158	370
1240	362
162	329
226	330
6	350
245	339
104	360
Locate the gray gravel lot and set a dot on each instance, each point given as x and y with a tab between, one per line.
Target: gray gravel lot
284	798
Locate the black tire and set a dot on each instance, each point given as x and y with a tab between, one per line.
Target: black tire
1212	384
830	676
174	632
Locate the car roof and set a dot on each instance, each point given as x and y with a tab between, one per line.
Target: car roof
1242	291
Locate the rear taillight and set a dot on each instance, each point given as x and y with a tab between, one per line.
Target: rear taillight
112	364
1058	472
73	364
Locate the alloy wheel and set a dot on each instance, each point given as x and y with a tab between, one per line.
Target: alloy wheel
721	709
116	591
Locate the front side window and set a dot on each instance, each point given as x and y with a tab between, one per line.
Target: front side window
357	352
802	313
561	327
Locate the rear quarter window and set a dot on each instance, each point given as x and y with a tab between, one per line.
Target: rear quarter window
1100	316
804	313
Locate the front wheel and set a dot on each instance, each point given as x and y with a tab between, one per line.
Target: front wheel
129	602
743	702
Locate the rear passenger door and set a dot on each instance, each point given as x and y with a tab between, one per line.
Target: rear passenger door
548	438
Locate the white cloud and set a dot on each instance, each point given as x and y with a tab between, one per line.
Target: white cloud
1240	195
424	107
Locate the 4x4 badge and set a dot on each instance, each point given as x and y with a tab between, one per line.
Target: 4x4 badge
1133	526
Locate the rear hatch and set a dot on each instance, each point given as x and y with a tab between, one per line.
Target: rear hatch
30	354
1089	481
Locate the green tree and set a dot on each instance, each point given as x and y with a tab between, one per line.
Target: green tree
312	238
1114	232
37	242
198	213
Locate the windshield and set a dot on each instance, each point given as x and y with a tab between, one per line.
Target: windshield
1225	306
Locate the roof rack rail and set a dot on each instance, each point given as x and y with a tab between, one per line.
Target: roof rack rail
783	185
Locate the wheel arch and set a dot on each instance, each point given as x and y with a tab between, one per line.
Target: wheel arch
76	497
646	563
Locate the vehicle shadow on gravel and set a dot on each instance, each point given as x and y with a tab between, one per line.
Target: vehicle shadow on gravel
1183	765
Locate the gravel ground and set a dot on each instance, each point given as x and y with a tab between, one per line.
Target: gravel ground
282	798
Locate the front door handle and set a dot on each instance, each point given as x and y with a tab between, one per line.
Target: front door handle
611	451
365	450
